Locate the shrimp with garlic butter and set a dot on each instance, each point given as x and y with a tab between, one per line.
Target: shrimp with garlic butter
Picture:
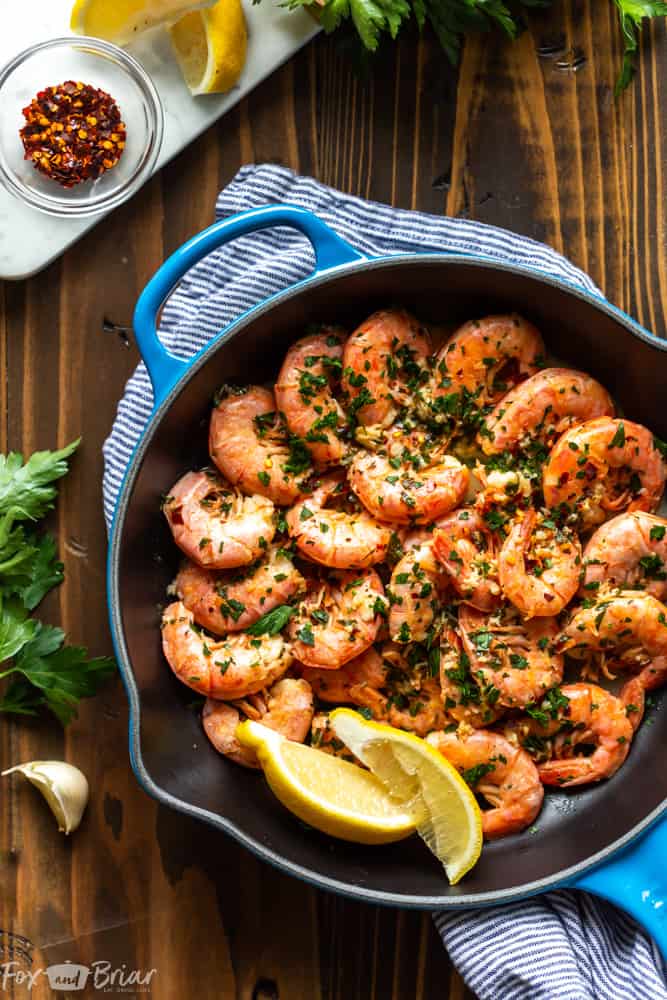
304	395
214	524
232	600
338	619
286	707
226	668
249	444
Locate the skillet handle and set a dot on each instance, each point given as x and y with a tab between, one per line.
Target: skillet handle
636	880
165	368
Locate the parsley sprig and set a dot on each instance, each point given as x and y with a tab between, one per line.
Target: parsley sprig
453	19
43	671
632	13
273	621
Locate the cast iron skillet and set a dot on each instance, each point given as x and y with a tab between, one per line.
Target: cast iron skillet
589	839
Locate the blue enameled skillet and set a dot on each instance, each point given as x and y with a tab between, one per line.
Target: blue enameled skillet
608	839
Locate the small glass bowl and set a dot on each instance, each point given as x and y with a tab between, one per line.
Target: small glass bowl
99	64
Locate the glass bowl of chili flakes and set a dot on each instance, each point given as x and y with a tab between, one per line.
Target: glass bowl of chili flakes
109	162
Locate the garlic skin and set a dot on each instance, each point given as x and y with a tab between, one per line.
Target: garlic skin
64	787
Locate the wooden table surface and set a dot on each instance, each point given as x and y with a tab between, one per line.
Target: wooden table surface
511	138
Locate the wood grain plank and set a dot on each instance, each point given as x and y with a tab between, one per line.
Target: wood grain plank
508	139
195	170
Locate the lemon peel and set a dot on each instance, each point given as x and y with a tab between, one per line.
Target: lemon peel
210	46
428	786
328	793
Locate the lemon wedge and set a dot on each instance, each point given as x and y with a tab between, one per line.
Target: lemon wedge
326	792
210	46
120	21
425	782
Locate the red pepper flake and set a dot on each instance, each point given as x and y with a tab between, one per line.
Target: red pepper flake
73	133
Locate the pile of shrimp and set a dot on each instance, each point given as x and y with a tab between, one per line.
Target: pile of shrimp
432	537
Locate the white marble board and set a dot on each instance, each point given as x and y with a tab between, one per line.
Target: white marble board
29	239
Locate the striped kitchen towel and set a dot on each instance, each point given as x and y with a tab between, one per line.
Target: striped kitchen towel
563	945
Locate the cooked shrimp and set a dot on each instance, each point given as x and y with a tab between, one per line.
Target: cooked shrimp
468	551
215	525
227	668
231	601
539	565
408	481
413	700
594	717
633	696
357	682
481	361
541	408
465	699
220	720
581	715
602	467
286	707
628	552
512	656
420	711
384	360
417	582
343	539
304	394
249	444
501	773
338	619
626	631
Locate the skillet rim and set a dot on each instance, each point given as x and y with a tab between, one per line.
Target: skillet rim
557	880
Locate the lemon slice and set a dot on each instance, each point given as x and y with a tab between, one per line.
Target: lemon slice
120	21
427	785
210	46
326	792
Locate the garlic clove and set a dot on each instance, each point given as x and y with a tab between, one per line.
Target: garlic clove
64	787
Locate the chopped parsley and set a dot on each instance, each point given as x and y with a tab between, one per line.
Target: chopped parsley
618	439
653	567
272	622
495	519
305	634
473	775
299	460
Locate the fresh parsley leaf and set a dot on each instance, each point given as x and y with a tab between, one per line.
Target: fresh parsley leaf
473	775
29	567
495	519
62	674
21	698
305	634
42	671
26	489
16	629
632	13
298	460
653	567
272	622
452	20
618	439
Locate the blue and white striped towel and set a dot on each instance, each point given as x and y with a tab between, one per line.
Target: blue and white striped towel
564	945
